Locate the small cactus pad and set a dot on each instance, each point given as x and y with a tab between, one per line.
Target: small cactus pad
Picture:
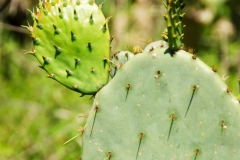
163	106
71	39
118	60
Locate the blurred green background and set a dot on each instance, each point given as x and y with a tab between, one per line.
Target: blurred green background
37	115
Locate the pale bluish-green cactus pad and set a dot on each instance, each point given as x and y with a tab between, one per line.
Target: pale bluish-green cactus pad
163	106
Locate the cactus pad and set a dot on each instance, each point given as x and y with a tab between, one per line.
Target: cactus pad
163	106
118	60
71	40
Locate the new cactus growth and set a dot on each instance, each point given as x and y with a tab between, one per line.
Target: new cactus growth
163	103
118	60
71	40
174	23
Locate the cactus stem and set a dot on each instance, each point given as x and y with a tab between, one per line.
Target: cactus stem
193	89
173	118
73	36
77	62
140	137
128	86
89	45
95	114
173	19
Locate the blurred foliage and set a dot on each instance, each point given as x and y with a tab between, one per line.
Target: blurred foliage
38	115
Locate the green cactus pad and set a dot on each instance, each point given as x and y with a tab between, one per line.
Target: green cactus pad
163	106
71	40
118	60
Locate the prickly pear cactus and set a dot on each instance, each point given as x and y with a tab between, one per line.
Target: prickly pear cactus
164	104
71	41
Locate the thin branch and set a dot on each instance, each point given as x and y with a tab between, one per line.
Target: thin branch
13	28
